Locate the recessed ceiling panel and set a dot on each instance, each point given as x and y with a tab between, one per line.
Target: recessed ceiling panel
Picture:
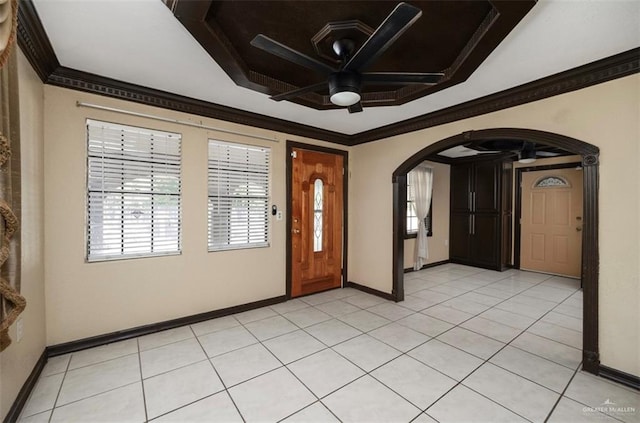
452	37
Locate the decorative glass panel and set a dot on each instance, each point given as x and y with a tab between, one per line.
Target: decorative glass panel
551	181
317	215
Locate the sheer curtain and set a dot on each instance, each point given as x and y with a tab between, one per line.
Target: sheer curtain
11	302
421	181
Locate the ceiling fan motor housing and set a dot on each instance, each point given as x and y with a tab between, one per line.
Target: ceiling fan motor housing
344	81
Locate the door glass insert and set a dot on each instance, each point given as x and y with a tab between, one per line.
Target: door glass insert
551	181
317	215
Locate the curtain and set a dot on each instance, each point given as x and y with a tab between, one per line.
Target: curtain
11	302
420	180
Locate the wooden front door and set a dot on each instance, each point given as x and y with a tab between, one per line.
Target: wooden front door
316	221
551	224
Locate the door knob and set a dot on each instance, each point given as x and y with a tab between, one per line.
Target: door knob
579	228
296	231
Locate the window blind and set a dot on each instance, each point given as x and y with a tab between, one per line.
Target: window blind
238	196
133	192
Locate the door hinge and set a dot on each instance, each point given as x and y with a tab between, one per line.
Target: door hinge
294	154
343	171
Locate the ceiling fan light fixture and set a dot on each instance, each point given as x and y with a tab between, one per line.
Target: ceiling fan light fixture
345	98
344	88
527	155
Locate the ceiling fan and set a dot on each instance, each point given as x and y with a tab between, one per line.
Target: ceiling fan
346	81
527	151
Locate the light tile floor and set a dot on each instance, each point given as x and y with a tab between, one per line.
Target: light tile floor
467	345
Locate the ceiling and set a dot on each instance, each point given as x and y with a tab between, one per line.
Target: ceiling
450	37
499	147
141	42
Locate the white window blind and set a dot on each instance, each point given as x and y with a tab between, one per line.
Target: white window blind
133	182
238	196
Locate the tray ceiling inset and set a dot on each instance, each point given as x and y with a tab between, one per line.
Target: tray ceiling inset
453	37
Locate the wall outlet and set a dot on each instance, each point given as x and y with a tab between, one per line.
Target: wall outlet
279	215
19	330
446	242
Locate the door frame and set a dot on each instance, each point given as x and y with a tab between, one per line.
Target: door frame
590	253
518	203
345	206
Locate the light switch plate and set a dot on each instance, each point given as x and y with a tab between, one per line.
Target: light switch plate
279	215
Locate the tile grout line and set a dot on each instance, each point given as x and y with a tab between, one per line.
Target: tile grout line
93	395
206	396
224	385
328	347
283	365
144	397
390	321
487	361
406	354
104	361
484	360
561	395
55	402
366	373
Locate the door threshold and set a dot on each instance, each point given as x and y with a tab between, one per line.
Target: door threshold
550	273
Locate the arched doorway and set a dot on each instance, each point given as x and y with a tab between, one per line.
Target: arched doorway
590	264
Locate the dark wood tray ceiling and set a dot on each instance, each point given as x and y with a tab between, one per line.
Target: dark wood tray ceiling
453	37
500	148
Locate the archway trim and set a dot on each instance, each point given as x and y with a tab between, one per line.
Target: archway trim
590	253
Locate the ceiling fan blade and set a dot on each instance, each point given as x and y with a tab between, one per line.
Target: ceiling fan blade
546	154
399	78
295	93
355	108
278	49
398	21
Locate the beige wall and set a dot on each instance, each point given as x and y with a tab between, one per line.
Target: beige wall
87	299
439	242
605	115
17	361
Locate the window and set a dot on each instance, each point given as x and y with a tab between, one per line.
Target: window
133	192
238	196
412	217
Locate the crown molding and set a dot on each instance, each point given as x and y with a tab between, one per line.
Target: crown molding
95	84
613	67
35	44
